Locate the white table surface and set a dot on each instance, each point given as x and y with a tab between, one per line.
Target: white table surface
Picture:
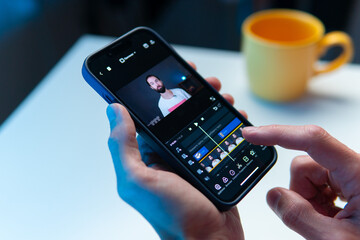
56	176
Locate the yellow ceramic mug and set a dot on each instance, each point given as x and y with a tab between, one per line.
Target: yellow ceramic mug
281	47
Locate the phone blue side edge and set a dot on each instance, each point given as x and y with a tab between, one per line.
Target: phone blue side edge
90	79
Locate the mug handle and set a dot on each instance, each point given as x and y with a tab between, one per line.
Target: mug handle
331	39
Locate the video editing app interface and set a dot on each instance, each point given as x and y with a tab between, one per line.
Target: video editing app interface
213	148
185	115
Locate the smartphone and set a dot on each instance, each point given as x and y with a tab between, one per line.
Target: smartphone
183	118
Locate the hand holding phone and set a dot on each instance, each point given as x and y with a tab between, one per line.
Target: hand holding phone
183	118
173	207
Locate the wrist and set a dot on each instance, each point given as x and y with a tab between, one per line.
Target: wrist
229	229
230	232
224	234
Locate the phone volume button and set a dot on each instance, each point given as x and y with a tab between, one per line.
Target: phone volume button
107	99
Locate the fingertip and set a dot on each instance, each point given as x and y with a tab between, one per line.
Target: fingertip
229	98
249	131
215	82
112	115
110	112
242	112
273	197
192	64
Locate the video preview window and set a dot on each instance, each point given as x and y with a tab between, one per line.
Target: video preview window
160	91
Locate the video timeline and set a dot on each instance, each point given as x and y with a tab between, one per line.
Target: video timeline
213	148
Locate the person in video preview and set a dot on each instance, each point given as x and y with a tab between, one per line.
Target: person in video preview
230	146
329	170
170	99
237	138
207	164
214	161
222	154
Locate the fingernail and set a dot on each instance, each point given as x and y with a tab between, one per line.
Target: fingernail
250	129
273	199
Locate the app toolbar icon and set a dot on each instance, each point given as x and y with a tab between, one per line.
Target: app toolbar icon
172	143
225	180
184	156
217	187
252	152
190	162
232	172
199	171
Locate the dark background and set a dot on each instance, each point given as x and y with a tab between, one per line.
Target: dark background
34	34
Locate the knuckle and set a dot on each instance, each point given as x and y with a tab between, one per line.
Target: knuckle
314	131
111	142
116	136
134	183
124	192
299	164
291	216
145	176
126	186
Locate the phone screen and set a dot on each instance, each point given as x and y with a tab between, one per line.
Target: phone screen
187	115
